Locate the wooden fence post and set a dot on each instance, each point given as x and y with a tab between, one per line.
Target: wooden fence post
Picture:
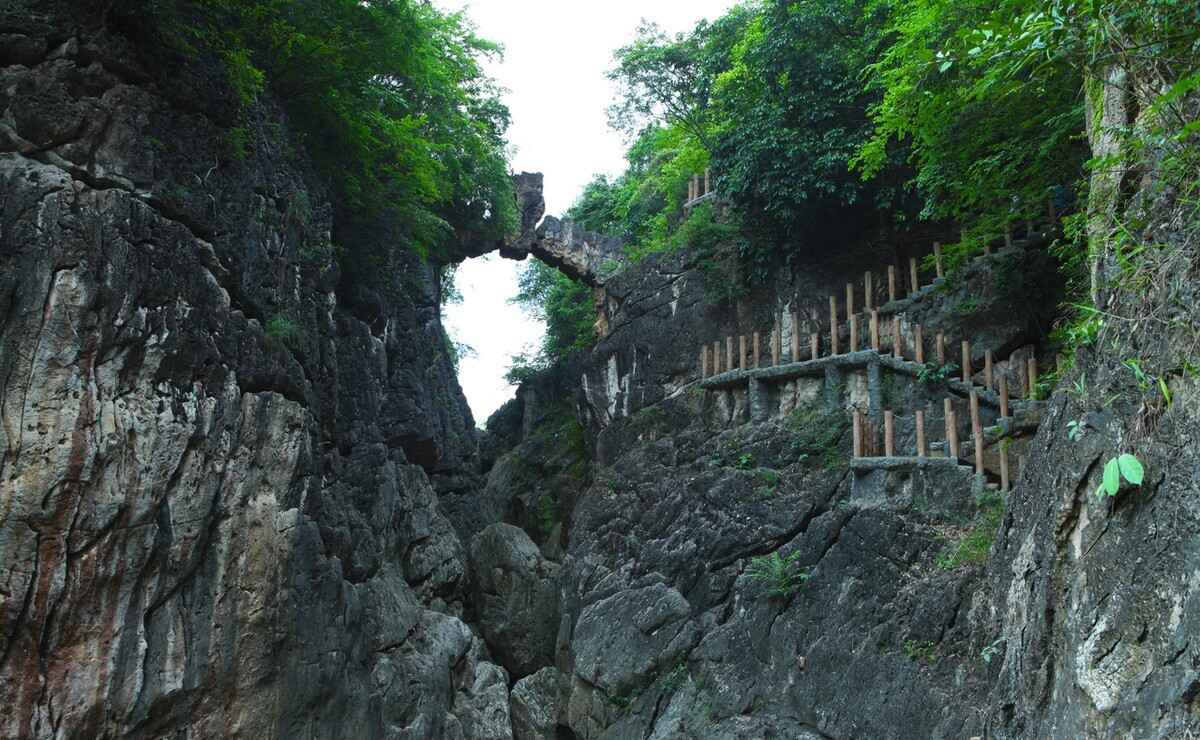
1004	482
1033	378
868	292
875	343
913	278
776	344
849	300
707	180
919	344
729	353
889	434
756	350
742	346
704	361
966	361
941	348
920	433
795	338
717	357
696	185
977	432
937	258
891	283
854	333
833	325
815	342
951	429
988	370
897	338
1003	396
858	433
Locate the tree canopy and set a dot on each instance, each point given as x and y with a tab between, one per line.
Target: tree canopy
389	95
827	121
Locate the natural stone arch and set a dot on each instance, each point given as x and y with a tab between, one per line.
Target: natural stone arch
582	255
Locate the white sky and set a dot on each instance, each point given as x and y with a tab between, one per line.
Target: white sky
556	54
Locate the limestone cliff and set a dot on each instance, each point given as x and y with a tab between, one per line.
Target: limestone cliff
216	515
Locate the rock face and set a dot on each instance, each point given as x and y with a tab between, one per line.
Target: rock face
535	706
1096	597
216	515
514	598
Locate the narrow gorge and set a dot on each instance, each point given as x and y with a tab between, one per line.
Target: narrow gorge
242	493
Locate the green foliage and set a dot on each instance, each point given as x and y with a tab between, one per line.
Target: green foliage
768	477
246	80
781	575
1135	366
768	95
720	251
1123	467
818	436
788	115
966	307
988	102
1076	428
389	96
239	142
922	651
567	309
745	461
990	126
281	329
546	516
973	545
672	79
932	373
1079	328
991	650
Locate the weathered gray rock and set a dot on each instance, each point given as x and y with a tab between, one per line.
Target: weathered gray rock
212	525
535	706
482	705
514	598
583	255
625	638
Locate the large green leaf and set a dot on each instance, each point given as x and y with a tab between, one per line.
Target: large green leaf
1131	469
1112	477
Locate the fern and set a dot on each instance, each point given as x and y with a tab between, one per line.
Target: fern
781	575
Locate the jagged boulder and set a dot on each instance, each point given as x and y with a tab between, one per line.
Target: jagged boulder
535	706
482	704
514	598
622	640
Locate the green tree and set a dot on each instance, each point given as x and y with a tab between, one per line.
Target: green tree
389	95
989	131
790	113
565	307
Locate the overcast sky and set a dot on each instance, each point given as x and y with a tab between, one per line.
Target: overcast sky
556	54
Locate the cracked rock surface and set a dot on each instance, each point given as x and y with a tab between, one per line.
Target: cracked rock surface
211	528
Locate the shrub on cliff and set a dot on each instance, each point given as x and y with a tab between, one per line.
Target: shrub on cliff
389	95
565	306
